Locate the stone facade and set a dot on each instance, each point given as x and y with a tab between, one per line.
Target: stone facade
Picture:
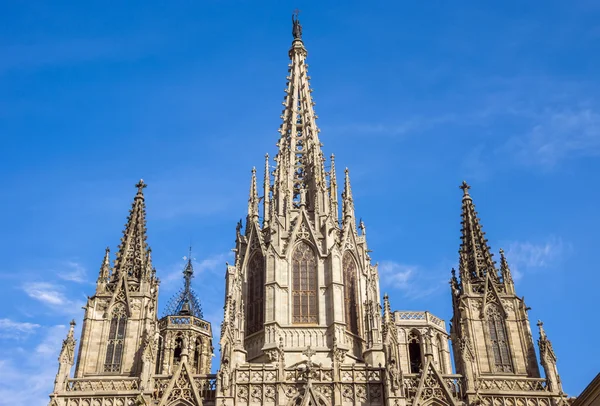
304	322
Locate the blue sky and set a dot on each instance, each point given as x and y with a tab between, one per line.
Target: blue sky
413	98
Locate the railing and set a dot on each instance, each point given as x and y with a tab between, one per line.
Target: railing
99	385
417	316
516	384
184	320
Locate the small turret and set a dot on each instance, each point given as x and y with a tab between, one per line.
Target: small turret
347	201
65	359
548	361
104	274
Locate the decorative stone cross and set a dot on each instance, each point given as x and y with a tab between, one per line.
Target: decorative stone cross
309	353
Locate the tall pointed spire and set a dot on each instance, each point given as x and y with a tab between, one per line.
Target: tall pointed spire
299	159
132	255
475	257
267	192
253	198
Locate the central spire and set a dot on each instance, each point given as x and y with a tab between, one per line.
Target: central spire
299	160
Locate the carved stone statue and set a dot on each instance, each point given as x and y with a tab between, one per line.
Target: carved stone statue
296	27
394	375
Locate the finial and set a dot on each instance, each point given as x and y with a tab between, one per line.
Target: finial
465	188
540	325
296	27
141	185
71	329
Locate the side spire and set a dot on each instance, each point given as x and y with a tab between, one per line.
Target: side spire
185	302
548	360
507	278
66	359
347	200
475	256
132	254
333	191
253	198
267	192
104	274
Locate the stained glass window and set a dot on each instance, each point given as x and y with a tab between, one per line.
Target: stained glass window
304	285
350	292
116	340
498	339
256	291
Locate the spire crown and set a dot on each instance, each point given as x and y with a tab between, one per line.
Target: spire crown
185	302
132	255
475	256
296	26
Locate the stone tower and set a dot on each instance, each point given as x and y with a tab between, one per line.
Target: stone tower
491	334
126	355
302	292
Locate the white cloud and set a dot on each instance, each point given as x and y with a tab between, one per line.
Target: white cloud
26	377
14	329
212	263
45	292
74	272
52	295
526	256
559	135
413	281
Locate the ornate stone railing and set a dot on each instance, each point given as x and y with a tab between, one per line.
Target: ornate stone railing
184	320
407	316
513	384
102	385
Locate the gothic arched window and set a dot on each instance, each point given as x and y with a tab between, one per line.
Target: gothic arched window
177	350
414	352
256	293
498	339
304	284
350	292
116	339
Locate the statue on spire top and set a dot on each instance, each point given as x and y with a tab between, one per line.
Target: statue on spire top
296	27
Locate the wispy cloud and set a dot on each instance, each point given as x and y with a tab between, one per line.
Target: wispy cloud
52	295
15	329
74	272
26	376
559	135
210	264
412	280
527	256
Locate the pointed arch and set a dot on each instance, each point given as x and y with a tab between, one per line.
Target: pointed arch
497	338
349	270
178	350
415	354
116	338
255	308
304	285
197	354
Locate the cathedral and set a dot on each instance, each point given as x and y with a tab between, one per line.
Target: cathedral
304	319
